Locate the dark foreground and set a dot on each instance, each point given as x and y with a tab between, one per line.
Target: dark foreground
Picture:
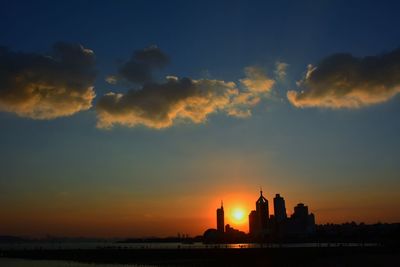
328	256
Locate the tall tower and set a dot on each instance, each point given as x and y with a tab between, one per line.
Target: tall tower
279	208
220	219
253	223
262	211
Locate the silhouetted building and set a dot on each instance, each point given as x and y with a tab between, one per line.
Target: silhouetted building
234	235
301	223
212	236
253	226
279	209
216	235
258	219
300	212
262	210
220	219
311	224
263	227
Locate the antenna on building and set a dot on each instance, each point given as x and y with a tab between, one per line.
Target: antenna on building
260	190
222	204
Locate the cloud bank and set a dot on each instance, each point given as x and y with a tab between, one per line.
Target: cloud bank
345	81
162	104
47	86
158	105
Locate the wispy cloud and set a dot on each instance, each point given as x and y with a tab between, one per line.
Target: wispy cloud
280	70
47	86
345	81
256	81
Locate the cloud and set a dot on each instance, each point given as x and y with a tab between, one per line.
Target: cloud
111	79
141	65
158	105
162	104
280	70
256	80
47	86
152	56
345	81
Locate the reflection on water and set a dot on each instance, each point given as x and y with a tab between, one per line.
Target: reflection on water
40	263
7	262
113	245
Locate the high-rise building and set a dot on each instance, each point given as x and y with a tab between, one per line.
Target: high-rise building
253	225
301	222
258	219
220	219
279	208
300	212
262	210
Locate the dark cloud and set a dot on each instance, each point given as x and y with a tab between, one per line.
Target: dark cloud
140	67
152	56
160	105
345	81
47	86
135	72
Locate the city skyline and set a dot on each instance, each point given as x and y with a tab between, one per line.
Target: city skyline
263	223
136	118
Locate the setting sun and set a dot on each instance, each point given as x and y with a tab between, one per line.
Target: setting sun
238	216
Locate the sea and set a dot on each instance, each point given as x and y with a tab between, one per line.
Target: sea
8	262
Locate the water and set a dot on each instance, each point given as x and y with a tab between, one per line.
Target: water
113	245
5	262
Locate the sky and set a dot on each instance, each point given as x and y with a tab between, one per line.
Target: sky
136	118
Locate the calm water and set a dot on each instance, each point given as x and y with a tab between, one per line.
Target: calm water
4	262
94	245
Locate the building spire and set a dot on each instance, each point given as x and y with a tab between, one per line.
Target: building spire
260	190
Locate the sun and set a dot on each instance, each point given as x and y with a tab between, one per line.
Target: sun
238	216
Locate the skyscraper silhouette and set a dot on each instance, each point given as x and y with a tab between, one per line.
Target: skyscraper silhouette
262	211
258	219
253	223
220	219
279	208
301	222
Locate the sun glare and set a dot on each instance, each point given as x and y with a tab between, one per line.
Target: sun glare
238	216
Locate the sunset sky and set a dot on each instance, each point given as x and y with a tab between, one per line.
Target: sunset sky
136	118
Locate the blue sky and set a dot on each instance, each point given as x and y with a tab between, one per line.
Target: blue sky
339	161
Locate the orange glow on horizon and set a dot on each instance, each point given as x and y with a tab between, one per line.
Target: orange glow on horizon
143	216
237	207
